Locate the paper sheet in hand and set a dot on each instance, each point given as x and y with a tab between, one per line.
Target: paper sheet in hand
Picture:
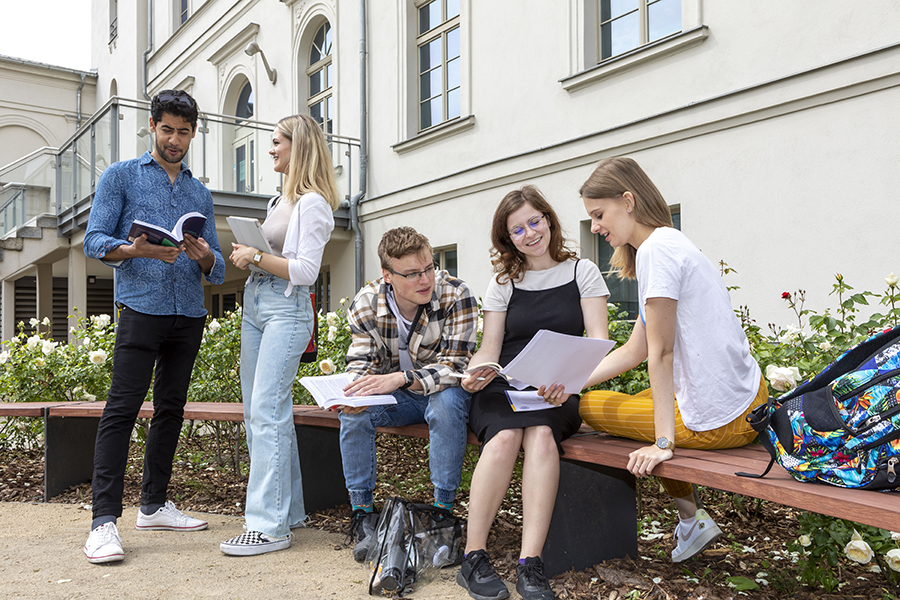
526	401
249	232
552	357
328	391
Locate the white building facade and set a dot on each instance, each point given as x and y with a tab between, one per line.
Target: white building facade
768	126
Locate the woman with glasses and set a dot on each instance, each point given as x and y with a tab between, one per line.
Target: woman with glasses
538	284
703	380
277	323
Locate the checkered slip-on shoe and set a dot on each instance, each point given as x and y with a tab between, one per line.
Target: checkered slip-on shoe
254	542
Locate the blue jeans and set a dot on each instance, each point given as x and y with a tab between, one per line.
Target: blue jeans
275	331
446	413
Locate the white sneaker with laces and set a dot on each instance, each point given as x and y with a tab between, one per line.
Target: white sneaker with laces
104	544
701	534
168	518
254	542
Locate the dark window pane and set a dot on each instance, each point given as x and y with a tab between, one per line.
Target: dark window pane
429	55
329	76
450	262
245	103
429	16
676	220
431	112
453	104
665	18
431	84
316	110
316	84
453	43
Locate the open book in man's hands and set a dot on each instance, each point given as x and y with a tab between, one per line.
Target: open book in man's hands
328	391
191	223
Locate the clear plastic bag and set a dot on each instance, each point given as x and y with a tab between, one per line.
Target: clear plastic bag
412	541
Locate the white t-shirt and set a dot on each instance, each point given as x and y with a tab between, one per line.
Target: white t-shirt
716	378
590	283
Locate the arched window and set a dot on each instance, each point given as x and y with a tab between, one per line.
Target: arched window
321	73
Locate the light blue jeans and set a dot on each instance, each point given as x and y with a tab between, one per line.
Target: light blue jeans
446	413
275	332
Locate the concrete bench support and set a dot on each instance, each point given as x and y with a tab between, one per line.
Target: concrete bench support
68	452
595	517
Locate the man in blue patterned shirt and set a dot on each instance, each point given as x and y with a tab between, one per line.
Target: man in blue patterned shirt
413	330
161	317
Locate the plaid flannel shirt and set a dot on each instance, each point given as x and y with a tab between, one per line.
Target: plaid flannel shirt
442	340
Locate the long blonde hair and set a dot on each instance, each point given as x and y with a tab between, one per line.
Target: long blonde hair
611	179
311	169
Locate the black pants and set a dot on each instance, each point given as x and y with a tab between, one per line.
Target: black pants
170	343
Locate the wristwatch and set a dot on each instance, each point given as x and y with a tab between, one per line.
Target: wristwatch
410	379
257	257
665	443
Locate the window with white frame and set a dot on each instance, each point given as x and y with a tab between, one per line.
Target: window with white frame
624	25
624	292
445	260
621	35
320	74
439	63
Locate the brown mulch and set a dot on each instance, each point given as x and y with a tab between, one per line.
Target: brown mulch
754	547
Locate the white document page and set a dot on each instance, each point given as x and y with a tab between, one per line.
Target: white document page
552	357
328	391
526	401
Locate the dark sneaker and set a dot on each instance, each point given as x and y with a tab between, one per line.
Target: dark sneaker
362	533
478	577
531	582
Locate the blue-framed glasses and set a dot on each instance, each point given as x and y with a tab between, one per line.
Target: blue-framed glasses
415	274
535	223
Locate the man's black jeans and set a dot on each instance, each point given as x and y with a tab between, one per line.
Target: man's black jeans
170	343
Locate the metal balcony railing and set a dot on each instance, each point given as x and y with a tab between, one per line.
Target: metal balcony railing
226	154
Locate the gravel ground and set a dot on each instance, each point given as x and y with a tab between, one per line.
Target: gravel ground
41	557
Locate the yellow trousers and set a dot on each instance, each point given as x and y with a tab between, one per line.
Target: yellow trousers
631	417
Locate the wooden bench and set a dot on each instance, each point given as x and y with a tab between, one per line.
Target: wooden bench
595	517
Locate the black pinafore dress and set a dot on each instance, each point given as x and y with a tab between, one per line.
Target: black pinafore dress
556	309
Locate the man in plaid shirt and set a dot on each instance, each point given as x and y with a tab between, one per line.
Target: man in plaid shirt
413	329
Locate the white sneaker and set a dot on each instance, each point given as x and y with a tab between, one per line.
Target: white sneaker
168	518
254	542
104	544
702	533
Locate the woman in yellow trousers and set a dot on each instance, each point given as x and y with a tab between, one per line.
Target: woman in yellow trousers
687	331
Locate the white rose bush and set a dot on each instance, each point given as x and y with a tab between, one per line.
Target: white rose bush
37	368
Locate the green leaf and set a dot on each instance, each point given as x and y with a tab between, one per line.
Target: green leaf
742	584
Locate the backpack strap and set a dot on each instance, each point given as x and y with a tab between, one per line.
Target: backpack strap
759	419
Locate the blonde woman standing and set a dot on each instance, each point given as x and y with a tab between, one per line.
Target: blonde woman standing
277	323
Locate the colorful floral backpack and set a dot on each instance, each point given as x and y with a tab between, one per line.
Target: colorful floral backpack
843	426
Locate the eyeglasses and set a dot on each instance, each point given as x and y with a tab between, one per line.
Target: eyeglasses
176	96
415	274
535	223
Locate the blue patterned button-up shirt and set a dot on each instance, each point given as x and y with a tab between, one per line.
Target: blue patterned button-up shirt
141	189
